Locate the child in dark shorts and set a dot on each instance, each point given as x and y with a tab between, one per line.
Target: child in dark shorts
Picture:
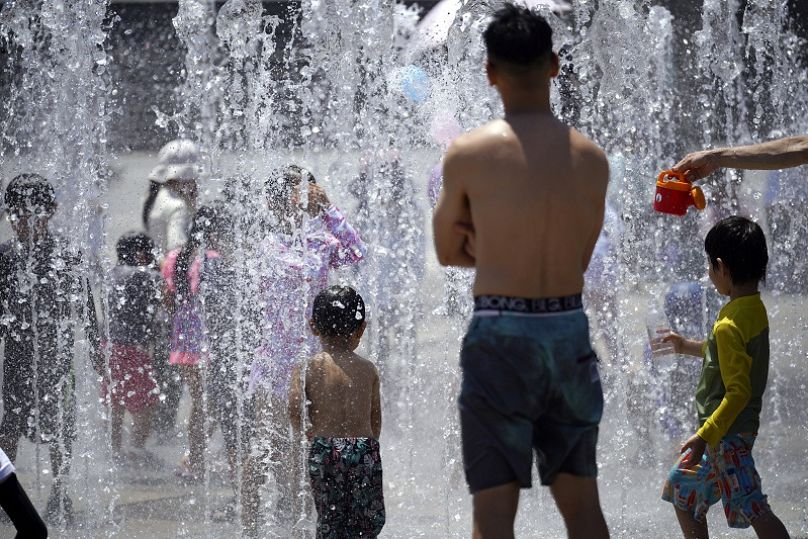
341	390
44	296
134	301
716	463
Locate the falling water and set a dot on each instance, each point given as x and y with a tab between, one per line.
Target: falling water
354	91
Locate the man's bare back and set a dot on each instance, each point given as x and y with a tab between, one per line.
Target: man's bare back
343	390
533	190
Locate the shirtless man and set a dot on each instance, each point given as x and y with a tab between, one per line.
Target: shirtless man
773	155
523	202
342	392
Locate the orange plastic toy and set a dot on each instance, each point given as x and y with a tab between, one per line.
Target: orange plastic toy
674	194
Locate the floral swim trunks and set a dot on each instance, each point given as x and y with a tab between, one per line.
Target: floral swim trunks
346	482
726	473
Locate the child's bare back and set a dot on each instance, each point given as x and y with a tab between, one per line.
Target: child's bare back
342	388
341	391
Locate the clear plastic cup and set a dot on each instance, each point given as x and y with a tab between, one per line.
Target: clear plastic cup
663	354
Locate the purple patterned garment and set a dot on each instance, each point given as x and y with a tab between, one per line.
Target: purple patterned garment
291	278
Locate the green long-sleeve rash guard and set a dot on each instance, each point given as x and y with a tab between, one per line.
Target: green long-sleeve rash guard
735	370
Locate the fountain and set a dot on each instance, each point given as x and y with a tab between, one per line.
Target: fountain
360	94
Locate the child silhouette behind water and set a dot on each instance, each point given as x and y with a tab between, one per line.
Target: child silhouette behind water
342	393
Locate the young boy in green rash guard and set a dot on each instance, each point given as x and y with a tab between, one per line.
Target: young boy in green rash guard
716	462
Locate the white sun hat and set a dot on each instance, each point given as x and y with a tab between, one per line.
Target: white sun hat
178	160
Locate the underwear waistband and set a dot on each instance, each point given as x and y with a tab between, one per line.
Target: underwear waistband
508	304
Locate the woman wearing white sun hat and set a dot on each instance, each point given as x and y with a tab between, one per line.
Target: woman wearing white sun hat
171	202
167	216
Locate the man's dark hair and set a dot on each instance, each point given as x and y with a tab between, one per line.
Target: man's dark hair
741	245
338	311
519	37
132	244
29	193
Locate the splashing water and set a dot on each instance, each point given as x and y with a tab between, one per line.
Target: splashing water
346	89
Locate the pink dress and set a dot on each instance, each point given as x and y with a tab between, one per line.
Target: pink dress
187	328
292	276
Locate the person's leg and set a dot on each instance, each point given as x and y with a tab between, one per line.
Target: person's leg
142	426
192	376
10	433
253	476
116	427
331	488
20	510
254	470
495	511
741	488
286	462
769	526
692	491
170	383
367	513
578	501
59	506
691	528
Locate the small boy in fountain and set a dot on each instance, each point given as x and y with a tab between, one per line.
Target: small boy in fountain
716	462
43	296
342	393
135	293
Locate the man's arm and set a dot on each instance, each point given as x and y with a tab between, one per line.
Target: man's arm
773	155
599	172
452	208
376	410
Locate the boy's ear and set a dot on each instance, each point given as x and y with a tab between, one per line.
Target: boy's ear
314	328
555	65
491	73
721	268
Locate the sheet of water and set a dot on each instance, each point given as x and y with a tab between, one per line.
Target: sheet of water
349	96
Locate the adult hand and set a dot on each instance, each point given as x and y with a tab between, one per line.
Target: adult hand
698	165
318	200
697	447
470	244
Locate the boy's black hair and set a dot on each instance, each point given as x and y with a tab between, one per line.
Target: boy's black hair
29	193
740	243
132	244
338	311
518	36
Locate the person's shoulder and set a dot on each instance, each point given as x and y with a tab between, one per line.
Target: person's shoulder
367	365
167	204
745	318
475	149
589	155
471	142
318	361
147	274
170	261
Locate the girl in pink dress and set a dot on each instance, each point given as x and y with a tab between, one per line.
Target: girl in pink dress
183	273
